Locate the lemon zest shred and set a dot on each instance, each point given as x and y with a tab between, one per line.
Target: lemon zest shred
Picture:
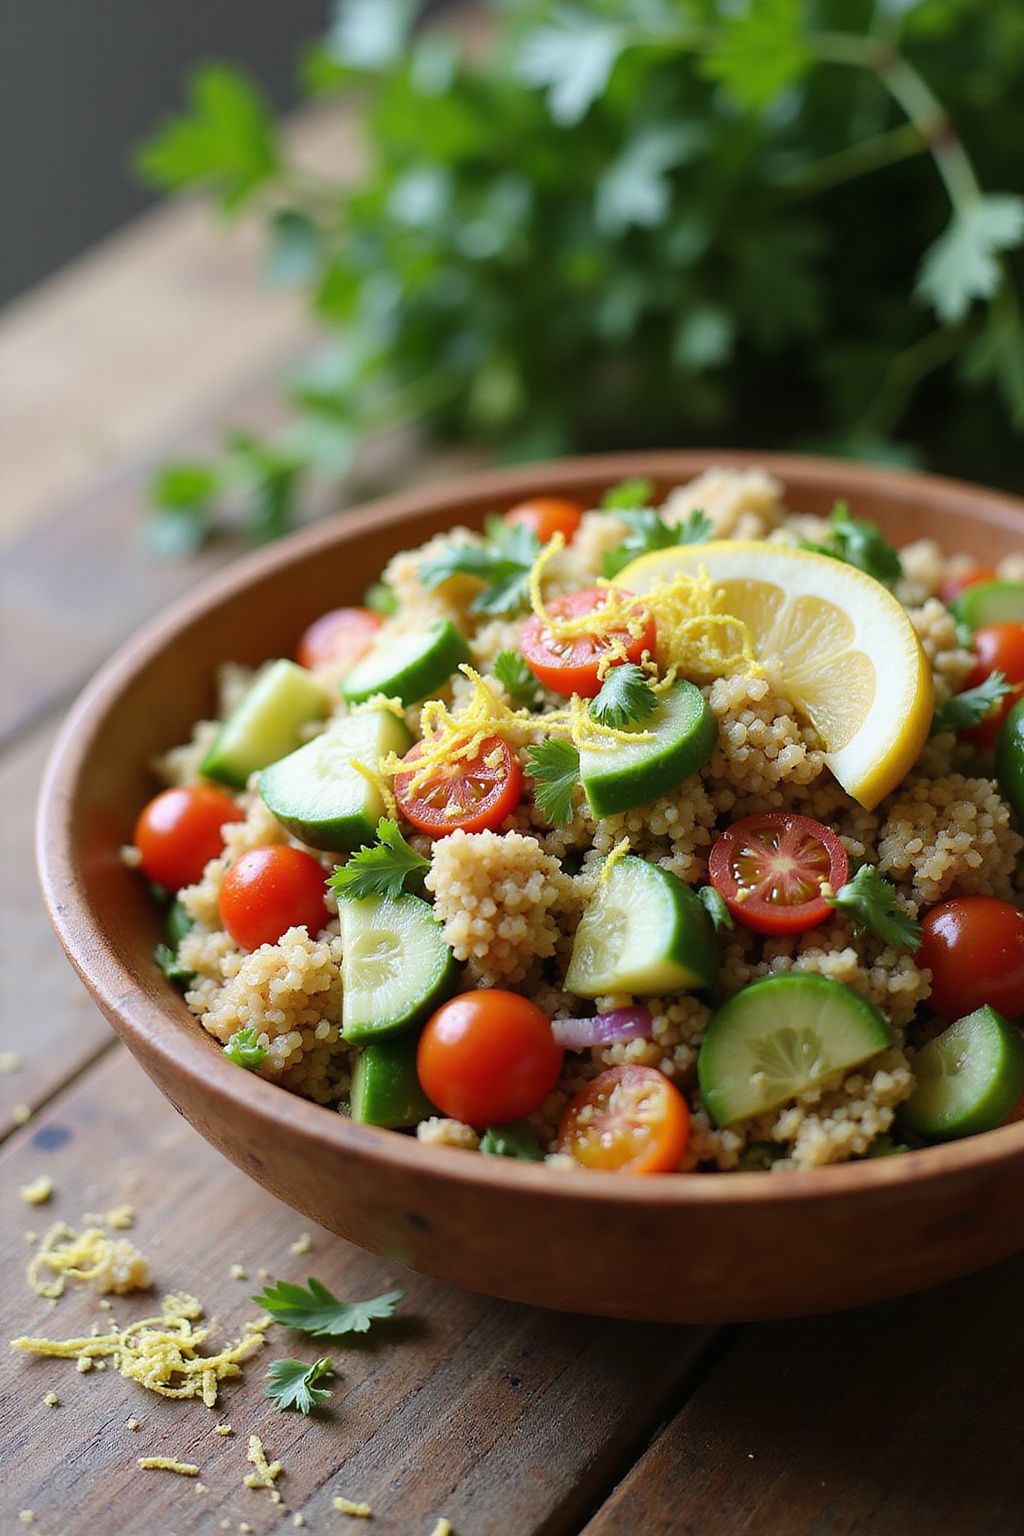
618	852
452	737
694	630
38	1191
377	702
620	613
377	776
112	1264
350	1507
267	1472
168	1464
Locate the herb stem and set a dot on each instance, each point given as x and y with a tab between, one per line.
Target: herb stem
855	160
902	375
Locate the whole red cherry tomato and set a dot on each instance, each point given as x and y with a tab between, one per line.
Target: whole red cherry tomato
974	948
179	832
269	890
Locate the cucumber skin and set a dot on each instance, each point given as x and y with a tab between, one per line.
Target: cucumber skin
337	834
385	1086
1010	758
417	680
991	602
608	795
220	762
996	1105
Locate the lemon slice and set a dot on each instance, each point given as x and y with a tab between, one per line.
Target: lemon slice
836	642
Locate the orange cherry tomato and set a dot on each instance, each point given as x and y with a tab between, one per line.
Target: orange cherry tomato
770	867
269	890
344	634
547	515
953	585
179	832
473	795
571	666
488	1057
999	648
628	1120
974	948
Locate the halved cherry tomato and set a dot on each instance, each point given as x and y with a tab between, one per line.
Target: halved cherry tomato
570	666
269	890
179	832
473	795
999	648
628	1120
547	515
953	585
344	634
488	1057
770	869
974	948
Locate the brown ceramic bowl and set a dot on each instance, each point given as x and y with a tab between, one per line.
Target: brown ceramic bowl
695	1248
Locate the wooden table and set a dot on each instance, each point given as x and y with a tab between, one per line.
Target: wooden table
901	1419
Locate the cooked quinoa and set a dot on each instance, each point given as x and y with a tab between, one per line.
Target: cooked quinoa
509	899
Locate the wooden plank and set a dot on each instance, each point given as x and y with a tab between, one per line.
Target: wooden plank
508	1421
902	1417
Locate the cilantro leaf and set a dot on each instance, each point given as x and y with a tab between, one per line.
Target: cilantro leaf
503	562
858	542
649	531
379	598
513	1140
760	51
962	265
625	697
572	59
970	707
369	34
714	905
167	959
292	1383
516	678
627	495
381	869
244	1049
554	765
225	141
312	1309
871	901
635	189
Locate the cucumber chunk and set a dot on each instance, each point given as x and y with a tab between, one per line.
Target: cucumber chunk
1010	758
266	725
408	666
385	1087
644	932
991	602
619	777
779	1036
396	966
968	1078
317	793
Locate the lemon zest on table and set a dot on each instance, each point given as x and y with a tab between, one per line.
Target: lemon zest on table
112	1264
38	1191
168	1464
349	1507
267	1472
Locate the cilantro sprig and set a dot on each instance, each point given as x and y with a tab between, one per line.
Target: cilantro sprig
554	765
313	1309
970	707
648	531
515	677
625	697
858	542
244	1049
516	1139
870	900
379	869
168	962
503	562
627	495
292	1383
714	905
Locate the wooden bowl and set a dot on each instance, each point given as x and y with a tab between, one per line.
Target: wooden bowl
680	1248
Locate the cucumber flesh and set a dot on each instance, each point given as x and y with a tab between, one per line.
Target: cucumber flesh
396	966
317	793
991	602
266	725
619	777
409	666
643	932
968	1078
780	1036
385	1086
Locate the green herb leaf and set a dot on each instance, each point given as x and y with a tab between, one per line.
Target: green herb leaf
554	765
625	697
571	59
380	869
293	1383
962	265
758	1156
226	140
970	707
759	52
714	905
515	677
503	562
245	1050
859	543
628	495
649	531
871	901
379	598
513	1140
167	959
312	1308
369	34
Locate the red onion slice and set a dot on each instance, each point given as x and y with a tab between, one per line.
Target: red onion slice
603	1028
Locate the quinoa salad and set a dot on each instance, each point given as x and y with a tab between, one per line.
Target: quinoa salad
674	835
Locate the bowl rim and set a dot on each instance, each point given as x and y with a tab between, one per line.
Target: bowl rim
160	1027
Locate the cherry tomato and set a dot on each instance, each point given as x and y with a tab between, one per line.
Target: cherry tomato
628	1120
770	869
473	795
570	666
269	890
178	833
974	948
953	585
999	648
488	1057
547	515
344	634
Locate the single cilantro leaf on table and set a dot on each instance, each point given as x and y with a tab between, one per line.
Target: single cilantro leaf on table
293	1383
871	901
516	678
857	542
381	869
554	765
168	962
625	697
313	1309
970	707
714	905
503	562
513	1140
244	1049
648	531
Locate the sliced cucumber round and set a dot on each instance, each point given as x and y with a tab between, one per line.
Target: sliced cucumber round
396	966
385	1085
618	777
409	666
644	932
266	725
780	1036
968	1078
320	796
991	602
